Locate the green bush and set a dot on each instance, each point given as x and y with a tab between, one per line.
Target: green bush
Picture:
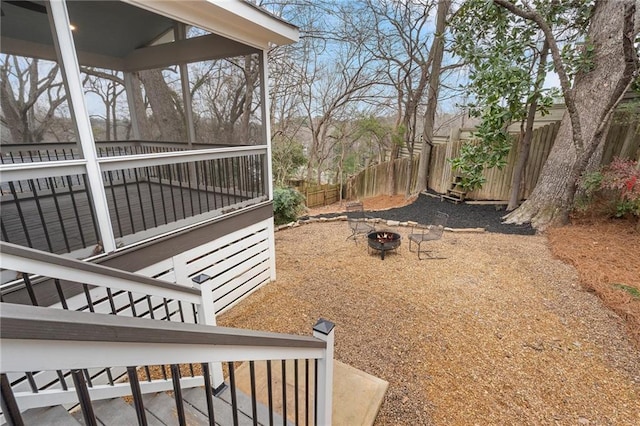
616	186
287	205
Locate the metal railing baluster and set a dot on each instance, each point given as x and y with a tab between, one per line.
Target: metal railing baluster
43	223
54	194
84	398
14	193
164	204
296	389
270	392
137	395
94	221
177	394
75	210
306	392
132	303
254	406
164	372
234	397
125	185
179	176
87	295
29	287
115	203
9	405
284	391
88	377
166	309
315	392
147	372
109	376
208	389
173	198
151	313
180	311
63	299
186	172
32	381
62	380
142	215
111	302
153	204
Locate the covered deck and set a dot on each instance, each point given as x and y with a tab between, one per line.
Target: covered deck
130	120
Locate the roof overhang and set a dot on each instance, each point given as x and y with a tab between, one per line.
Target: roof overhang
238	20
132	35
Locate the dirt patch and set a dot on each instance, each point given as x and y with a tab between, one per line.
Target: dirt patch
380	202
499	332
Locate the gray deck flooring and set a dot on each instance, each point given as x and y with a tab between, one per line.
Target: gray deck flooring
133	207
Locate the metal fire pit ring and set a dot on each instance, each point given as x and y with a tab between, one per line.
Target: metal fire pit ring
383	241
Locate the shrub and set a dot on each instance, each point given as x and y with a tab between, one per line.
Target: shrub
617	185
287	204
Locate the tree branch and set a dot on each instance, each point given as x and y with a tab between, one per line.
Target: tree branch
567	91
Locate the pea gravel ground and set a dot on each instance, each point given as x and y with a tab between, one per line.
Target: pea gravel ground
498	333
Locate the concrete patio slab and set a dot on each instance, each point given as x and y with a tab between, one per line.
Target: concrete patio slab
357	396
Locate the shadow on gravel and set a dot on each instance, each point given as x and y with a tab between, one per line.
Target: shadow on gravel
461	215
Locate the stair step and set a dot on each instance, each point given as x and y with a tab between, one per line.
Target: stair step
50	416
222	407
113	412
454	199
163	407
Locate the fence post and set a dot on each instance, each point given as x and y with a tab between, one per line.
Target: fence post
323	330
207	316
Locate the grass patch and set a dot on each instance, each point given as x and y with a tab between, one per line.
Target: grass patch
631	290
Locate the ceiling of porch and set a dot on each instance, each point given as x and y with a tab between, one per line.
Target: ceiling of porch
109	34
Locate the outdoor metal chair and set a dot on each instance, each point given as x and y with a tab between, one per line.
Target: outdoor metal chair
433	232
358	221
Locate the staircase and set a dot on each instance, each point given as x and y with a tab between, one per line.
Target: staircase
152	357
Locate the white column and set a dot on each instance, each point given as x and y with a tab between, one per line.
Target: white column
63	40
266	129
207	316
323	330
266	123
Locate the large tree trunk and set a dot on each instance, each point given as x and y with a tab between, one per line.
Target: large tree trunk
596	93
168	118
437	47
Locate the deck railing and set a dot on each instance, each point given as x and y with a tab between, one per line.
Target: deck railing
64	285
150	189
70	343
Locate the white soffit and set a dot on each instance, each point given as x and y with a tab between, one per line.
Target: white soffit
234	19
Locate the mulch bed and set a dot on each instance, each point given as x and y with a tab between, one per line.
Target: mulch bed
461	215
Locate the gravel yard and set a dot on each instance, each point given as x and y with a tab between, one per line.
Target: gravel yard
499	332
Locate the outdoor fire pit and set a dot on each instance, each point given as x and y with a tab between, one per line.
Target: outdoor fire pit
383	241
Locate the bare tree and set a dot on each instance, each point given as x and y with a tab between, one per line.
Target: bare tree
435	54
30	94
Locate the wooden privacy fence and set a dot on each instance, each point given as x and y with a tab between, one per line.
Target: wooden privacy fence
322	195
374	180
622	140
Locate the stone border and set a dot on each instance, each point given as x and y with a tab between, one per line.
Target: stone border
394	223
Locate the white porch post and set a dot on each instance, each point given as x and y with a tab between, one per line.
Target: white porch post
63	40
323	330
266	123
266	129
207	316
